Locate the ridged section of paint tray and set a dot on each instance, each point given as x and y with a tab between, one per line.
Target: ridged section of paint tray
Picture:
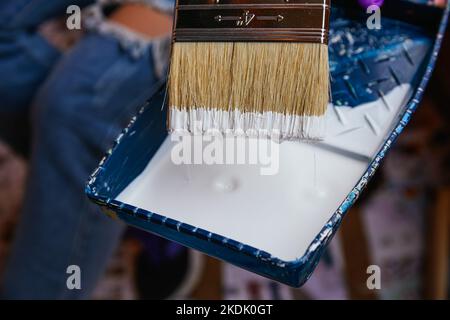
367	64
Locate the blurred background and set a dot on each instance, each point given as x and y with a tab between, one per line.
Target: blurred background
402	224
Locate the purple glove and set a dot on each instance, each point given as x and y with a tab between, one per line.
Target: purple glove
367	3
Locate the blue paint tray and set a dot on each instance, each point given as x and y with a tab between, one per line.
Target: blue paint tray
279	225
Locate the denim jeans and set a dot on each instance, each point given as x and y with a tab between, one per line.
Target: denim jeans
78	103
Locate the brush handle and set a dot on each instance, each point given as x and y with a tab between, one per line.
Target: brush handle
258	21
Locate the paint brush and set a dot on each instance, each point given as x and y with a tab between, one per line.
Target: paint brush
255	68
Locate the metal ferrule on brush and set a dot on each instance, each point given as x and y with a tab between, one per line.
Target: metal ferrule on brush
254	68
259	21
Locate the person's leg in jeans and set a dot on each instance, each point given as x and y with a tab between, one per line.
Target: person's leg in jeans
90	95
26	58
29	14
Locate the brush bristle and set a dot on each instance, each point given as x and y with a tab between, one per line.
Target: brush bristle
265	89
